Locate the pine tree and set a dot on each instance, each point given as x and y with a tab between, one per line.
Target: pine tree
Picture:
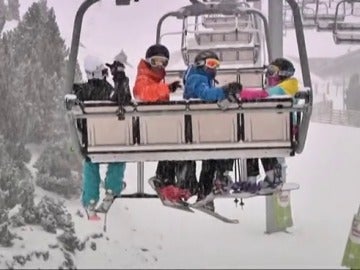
39	63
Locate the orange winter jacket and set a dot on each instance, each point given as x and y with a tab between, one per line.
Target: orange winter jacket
149	85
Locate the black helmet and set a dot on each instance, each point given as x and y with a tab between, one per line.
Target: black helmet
157	50
286	68
202	56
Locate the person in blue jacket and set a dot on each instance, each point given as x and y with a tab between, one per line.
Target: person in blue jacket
199	83
97	88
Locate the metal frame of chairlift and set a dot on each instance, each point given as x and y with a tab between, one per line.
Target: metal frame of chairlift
309	20
325	22
234	27
95	110
287	20
343	32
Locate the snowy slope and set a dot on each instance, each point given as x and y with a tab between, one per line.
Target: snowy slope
144	234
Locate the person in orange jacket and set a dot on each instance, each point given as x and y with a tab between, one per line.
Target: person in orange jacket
150	86
149	83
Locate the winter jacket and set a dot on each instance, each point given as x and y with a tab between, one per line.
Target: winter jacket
200	84
287	87
94	89
149	85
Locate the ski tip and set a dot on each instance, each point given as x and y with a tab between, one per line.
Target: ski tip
94	218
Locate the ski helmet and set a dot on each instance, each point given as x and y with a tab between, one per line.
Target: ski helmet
201	57
157	50
94	68
284	68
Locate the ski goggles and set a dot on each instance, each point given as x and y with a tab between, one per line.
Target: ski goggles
158	61
212	63
273	70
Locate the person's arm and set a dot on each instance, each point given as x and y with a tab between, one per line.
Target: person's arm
202	90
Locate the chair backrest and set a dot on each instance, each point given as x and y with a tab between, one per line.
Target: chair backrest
188	129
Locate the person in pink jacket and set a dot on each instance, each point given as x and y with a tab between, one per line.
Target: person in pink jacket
280	81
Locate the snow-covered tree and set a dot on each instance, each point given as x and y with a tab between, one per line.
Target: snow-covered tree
34	67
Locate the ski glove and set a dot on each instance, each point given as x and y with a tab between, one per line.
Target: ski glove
174	86
232	89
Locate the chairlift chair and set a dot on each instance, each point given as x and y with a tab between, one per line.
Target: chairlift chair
225	42
308	14
325	20
220	21
240	32
346	32
288	19
182	130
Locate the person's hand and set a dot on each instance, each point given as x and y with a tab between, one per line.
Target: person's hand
232	89
174	86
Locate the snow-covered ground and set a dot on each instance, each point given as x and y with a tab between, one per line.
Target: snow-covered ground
144	234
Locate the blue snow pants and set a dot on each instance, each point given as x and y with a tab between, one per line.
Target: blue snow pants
91	180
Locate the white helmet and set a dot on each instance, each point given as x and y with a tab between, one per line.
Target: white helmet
94	68
122	58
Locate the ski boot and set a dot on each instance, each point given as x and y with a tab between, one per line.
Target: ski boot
273	178
237	187
250	186
222	183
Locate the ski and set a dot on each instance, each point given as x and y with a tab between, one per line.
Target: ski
107	202
105	205
214	214
213	196
180	205
244	195
283	187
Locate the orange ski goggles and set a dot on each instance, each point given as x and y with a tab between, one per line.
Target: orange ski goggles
212	63
158	61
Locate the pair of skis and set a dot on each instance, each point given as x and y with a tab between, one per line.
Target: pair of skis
201	205
190	207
